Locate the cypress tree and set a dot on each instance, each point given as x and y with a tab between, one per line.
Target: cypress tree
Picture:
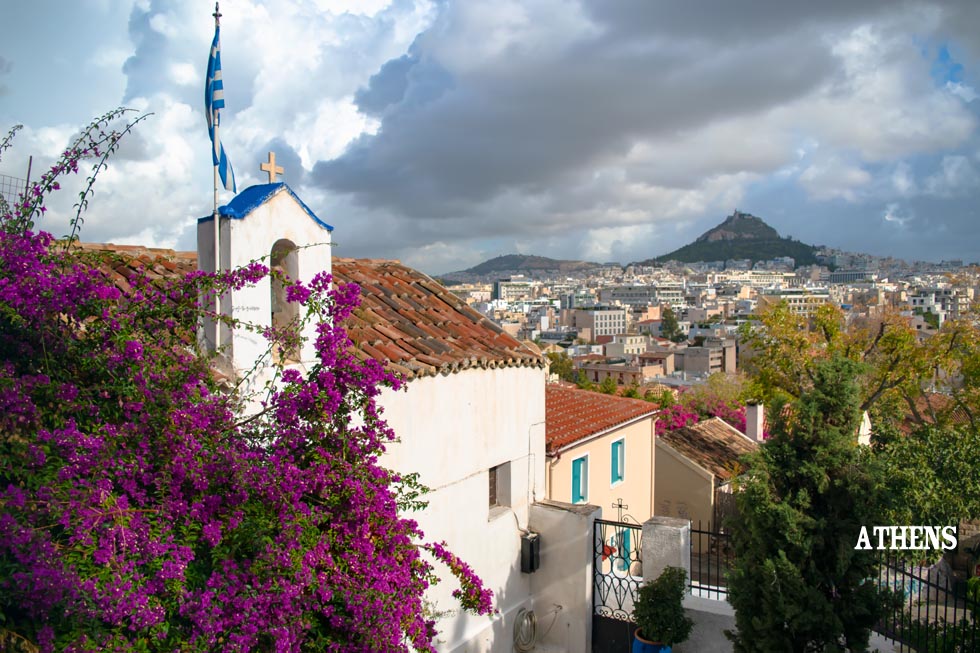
797	583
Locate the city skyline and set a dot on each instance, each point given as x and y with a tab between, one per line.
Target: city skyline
445	134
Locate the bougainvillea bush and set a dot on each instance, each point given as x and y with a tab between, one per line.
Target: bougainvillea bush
141	509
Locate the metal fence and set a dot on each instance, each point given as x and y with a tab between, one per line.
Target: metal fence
616	577
929	613
11	188
711	558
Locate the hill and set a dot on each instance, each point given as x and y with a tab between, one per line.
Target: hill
740	236
521	264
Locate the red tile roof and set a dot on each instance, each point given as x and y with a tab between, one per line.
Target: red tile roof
419	328
711	444
933	408
572	414
406	319
127	261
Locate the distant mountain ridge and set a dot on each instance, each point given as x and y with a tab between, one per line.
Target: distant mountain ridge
740	236
521	264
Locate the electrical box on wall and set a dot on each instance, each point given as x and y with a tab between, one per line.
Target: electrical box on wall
530	552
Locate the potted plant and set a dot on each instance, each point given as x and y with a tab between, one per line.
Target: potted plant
659	615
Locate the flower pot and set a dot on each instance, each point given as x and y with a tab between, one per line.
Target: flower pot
643	645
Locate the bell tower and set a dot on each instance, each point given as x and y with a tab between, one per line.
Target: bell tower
268	223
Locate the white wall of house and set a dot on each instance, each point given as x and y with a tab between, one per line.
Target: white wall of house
452	430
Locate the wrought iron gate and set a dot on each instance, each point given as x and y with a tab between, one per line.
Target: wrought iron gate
616	576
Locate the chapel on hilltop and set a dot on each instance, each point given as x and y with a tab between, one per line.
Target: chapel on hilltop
471	422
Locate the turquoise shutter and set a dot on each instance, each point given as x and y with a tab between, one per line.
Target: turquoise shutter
612	473
617	461
577	480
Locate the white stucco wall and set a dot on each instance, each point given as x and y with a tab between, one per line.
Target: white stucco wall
452	430
251	239
563	585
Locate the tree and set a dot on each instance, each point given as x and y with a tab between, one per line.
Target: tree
142	509
797	583
560	364
608	386
583	382
669	327
929	476
782	350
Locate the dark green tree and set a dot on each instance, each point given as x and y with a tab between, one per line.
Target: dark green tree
798	585
582	381
669	327
608	386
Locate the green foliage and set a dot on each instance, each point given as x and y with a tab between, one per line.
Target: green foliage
582	381
973	596
797	583
669	327
608	386
939	636
633	391
929	477
664	398
752	249
561	364
658	611
719	388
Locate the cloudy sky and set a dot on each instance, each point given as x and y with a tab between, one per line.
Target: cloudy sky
443	132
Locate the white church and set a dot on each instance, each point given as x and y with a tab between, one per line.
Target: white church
471	423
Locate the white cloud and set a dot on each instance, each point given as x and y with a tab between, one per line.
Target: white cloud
903	180
834	178
570	127
956	176
185	74
897	216
962	91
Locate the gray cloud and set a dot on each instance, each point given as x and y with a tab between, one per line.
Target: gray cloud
5	67
643	114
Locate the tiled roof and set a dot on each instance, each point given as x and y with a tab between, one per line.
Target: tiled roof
406	319
572	414
711	444
930	406
418	328
128	261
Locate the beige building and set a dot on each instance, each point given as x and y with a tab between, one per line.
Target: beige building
801	301
623	373
600	450
695	467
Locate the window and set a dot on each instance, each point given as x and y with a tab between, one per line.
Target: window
580	480
493	486
499	485
618	454
284	266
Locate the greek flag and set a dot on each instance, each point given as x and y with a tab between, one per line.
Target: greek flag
214	100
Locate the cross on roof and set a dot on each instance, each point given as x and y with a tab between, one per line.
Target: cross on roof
271	168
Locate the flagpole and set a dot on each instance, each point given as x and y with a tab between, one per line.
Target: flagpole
217	220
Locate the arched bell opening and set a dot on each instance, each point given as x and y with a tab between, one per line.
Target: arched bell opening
284	264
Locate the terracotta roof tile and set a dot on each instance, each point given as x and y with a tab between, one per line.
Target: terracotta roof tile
418	328
406	320
129	261
572	414
711	444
